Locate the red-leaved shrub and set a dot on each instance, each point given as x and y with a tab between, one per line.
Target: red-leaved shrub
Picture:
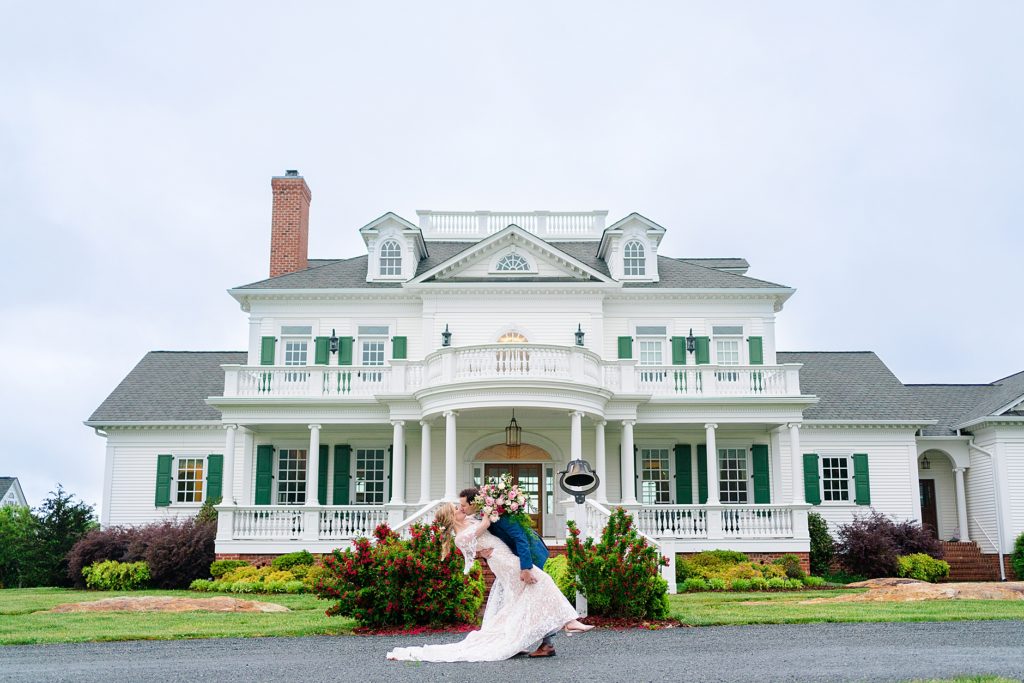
396	582
869	545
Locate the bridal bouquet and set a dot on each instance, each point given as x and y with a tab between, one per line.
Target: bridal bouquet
502	498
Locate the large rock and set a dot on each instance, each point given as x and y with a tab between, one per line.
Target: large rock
150	603
909	590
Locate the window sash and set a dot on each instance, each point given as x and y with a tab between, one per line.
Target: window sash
651	351
733	480
835	479
727	351
189	480
655	476
373	351
512	263
370	476
390	258
291	476
633	259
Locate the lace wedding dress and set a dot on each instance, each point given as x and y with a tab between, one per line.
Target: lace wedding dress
517	615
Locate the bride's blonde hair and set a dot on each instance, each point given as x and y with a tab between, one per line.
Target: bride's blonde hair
445	520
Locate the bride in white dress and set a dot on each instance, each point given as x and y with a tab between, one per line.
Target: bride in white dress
517	615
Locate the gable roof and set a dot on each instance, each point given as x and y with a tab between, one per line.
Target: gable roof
958	405
853	385
168	386
5	485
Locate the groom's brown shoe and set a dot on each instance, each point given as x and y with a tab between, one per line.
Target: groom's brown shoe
544	650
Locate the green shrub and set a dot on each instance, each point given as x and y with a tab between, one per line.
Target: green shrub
922	567
201	585
245	578
708	564
758	583
773	571
111	575
823	547
814	581
222	567
289	560
398	582
739	585
794	584
791	564
776	582
274	586
870	544
743	570
557	568
716	584
695	583
312	576
1017	557
294	587
619	575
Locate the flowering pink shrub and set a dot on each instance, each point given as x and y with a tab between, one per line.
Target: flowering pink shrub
396	582
619	574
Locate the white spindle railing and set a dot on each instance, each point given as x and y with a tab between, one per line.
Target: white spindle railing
425	515
757	521
307	381
480	224
675	521
350	521
265	522
713	380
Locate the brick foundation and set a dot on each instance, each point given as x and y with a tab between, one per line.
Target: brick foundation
765	558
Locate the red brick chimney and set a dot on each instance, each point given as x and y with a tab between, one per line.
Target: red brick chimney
289	224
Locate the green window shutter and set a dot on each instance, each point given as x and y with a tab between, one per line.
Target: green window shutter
755	345
684	474
762	487
862	483
812	491
703	350
702	474
163	480
214	476
264	474
391	462
344	350
398	345
268	346
678	350
625	347
342	455
321	475
323	350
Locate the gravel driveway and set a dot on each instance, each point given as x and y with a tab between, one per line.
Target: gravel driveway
814	652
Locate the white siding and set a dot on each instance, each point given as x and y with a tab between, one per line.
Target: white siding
941	473
981	505
1012	453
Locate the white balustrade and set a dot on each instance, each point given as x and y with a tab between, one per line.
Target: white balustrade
424	515
672	521
266	522
350	521
757	521
481	224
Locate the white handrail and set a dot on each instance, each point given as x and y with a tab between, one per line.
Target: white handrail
982	529
403	527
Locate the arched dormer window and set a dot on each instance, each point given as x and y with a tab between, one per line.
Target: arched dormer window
633	260
511	337
390	258
512	263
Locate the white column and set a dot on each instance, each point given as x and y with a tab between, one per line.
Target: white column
712	463
313	466
599	464
450	492
576	435
797	463
228	476
961	504
424	462
398	462
628	464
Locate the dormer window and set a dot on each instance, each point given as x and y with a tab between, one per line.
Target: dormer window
390	258
634	262
512	263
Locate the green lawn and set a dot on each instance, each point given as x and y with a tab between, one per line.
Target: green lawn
21	620
712	609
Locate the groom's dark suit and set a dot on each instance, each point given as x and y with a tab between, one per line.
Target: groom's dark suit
527	545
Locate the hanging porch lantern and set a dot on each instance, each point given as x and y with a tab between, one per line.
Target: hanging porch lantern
513	436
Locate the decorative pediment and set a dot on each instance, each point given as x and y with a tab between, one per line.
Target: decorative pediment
509	255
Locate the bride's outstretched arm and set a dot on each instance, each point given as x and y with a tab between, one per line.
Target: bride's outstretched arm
482	526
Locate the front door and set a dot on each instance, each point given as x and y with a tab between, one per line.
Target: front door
929	511
527	475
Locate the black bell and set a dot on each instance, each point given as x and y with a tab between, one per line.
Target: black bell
578	480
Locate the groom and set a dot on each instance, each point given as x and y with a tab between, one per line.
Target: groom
529	548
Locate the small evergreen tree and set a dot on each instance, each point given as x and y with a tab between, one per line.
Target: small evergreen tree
62	523
18	546
823	547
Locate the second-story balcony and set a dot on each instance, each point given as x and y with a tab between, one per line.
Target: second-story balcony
504	362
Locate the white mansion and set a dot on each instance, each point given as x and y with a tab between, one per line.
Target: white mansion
375	387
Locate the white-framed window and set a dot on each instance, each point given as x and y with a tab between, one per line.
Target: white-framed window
650	343
512	337
835	478
655	476
512	263
728	341
373	343
291	476
634	260
188	480
390	258
371	476
295	341
733	481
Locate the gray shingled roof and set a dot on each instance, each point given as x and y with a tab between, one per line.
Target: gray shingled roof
5	484
853	385
169	386
351	272
955	404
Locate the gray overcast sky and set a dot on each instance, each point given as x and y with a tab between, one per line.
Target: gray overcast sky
869	154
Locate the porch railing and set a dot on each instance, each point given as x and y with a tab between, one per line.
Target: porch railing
498	362
265	522
350	521
757	521
425	515
677	521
